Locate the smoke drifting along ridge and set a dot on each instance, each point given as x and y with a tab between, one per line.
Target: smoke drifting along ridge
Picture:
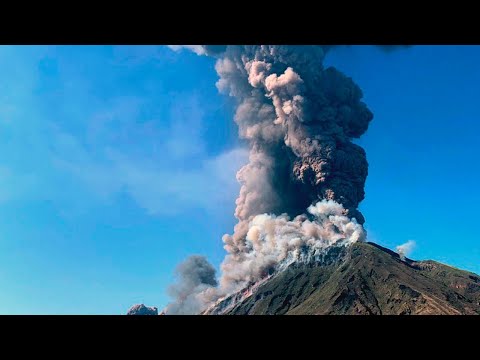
299	119
406	249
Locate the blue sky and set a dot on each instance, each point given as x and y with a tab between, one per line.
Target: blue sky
112	166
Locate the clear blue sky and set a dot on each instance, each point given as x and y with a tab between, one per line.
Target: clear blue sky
112	166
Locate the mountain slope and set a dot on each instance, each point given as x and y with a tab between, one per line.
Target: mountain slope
362	279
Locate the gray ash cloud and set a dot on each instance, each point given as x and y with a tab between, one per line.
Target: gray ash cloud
194	276
299	119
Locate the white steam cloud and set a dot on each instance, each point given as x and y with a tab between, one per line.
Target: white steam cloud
271	244
405	249
277	241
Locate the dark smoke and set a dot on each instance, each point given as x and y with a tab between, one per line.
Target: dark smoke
195	275
299	119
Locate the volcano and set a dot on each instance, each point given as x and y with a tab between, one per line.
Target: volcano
299	244
361	279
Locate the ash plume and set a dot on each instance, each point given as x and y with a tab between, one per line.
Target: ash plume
299	119
305	178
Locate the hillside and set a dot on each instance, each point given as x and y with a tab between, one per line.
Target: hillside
362	279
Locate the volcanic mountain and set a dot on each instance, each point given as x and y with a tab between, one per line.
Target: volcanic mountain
360	279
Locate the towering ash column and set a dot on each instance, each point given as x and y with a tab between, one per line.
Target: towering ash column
299	119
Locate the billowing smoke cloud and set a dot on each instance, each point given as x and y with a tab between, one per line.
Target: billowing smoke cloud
405	250
274	241
195	275
299	120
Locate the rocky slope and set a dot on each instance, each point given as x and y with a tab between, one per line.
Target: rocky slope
141	309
